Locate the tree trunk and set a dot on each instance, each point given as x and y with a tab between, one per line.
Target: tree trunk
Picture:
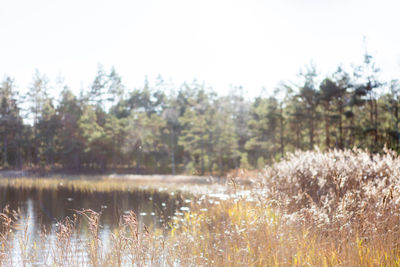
372	121
221	165
19	162
172	151
202	156
351	137
327	134
298	137
137	159
36	148
209	152
396	114
340	124
282	148
311	131
376	122
5	155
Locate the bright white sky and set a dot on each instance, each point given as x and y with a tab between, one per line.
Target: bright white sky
252	43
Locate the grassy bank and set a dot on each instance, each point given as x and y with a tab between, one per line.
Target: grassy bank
109	183
338	208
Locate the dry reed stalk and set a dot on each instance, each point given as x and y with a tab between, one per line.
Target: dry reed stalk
94	243
8	220
334	208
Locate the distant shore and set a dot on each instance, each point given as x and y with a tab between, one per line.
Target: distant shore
131	177
137	178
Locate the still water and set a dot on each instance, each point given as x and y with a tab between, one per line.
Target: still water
41	210
45	208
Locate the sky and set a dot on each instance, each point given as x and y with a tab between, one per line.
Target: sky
224	43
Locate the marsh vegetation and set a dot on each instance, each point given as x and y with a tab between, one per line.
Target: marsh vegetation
335	208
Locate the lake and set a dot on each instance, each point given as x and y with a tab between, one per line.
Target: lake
44	208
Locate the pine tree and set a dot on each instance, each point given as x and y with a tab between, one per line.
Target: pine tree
37	97
10	123
70	139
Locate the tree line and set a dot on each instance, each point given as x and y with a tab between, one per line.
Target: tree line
190	128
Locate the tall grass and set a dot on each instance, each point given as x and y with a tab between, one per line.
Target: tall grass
335	208
350	192
108	184
100	184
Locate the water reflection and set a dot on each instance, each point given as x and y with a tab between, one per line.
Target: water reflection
47	207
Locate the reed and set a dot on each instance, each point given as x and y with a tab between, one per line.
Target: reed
334	208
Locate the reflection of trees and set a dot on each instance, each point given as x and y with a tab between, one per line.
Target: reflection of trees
50	206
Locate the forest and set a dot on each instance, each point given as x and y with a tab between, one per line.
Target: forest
190	128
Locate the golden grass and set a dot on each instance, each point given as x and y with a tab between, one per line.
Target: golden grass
107	184
241	233
100	184
234	233
338	208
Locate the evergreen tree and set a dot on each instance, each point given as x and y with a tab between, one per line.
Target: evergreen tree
48	126
196	136
263	127
37	97
225	141
310	99
10	123
368	84
69	136
93	136
143	138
